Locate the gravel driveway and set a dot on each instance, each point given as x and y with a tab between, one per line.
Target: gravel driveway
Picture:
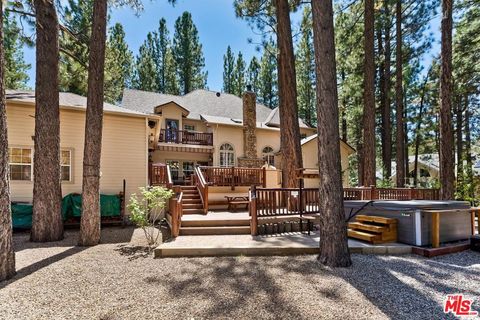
119	280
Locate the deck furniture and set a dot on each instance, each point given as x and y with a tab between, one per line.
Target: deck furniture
373	229
235	201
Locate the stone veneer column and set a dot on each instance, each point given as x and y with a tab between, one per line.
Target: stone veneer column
249	125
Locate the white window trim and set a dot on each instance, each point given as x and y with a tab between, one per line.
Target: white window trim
21	164
70	165
271	154
227	151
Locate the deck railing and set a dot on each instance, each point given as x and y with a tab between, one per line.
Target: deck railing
234	176
273	202
373	193
176	210
160	175
186	137
202	186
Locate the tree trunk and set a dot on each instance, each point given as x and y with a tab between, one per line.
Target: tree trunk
344	113
7	255
369	166
47	224
90	222
287	94
468	152
386	112
459	136
400	137
446	131
405	135
418	128
334	250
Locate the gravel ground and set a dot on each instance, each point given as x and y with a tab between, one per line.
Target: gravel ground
120	280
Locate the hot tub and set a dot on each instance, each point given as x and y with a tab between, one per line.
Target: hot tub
414	223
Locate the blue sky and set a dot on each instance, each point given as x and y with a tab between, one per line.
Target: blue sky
217	26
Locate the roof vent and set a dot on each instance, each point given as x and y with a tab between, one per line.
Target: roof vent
218	94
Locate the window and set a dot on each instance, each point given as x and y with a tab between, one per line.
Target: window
20	164
268	155
227	155
187	167
66	164
189	127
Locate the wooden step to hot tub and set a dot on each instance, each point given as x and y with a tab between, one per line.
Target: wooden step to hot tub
373	229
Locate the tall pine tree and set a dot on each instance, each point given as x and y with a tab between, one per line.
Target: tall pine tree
188	55
306	71
15	65
145	77
268	77
228	71
253	75
239	75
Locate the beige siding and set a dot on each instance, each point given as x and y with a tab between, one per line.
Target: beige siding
124	149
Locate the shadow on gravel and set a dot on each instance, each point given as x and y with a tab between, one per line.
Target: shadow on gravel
229	284
402	288
133	252
28	270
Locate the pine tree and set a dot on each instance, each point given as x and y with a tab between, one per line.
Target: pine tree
188	55
77	18
160	48
305	65
253	75
171	78
118	64
15	65
239	75
145	77
268	77
228	71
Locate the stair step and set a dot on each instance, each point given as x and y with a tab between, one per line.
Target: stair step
375	219
214	230
192	211
192	201
367	227
192	206
373	238
190	191
188	187
216	223
191	196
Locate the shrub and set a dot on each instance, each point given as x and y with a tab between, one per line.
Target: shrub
147	210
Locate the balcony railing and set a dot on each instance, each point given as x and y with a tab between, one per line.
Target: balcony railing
186	137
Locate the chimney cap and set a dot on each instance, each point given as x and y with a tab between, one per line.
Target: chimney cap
249	87
218	94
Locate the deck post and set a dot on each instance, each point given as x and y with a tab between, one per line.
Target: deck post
435	229
473	213
233	178
264	173
253	211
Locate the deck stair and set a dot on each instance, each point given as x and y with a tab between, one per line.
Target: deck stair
373	229
192	203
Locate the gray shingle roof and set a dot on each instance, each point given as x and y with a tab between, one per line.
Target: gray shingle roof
67	99
198	102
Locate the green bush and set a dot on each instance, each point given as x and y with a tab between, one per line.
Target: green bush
147	209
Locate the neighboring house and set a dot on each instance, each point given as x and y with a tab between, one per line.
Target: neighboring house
207	128
428	169
124	145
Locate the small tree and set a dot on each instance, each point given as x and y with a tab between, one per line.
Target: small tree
148	210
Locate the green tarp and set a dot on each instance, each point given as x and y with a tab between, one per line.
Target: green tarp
22	216
71	208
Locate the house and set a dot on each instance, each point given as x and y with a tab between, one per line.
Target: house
207	128
124	145
201	128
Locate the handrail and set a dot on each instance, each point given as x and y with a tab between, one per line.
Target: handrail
169	175
176	210
202	187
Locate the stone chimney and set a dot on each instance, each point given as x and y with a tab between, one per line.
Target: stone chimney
249	158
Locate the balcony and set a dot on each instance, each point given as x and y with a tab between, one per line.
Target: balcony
186	137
